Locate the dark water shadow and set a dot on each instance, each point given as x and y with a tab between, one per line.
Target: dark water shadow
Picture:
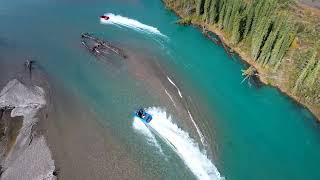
308	116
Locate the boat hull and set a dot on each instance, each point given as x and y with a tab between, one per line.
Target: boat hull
146	119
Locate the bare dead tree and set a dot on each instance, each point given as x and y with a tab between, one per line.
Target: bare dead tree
29	66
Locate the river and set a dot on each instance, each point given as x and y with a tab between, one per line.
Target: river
206	123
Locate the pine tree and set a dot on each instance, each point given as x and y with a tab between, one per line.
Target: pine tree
282	37
206	14
187	5
311	64
287	41
257	10
314	70
199	7
267	47
227	15
249	18
235	35
261	25
213	11
313	75
234	13
222	10
259	35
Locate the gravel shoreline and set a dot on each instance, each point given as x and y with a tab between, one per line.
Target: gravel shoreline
29	157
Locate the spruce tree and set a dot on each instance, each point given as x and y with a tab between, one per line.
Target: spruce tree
313	75
234	13
314	72
222	10
227	15
213	11
267	47
235	35
259	35
257	10
249	18
206	11
285	47
199	7
311	64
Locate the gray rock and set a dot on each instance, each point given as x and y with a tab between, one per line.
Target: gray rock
30	157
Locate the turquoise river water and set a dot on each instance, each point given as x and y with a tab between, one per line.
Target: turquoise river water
207	124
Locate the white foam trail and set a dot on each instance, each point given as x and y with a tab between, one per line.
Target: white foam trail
140	127
183	145
180	94
198	130
130	23
170	98
192	120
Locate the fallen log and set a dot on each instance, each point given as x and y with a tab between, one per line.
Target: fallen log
207	34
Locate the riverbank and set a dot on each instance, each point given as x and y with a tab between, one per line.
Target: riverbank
265	74
22	143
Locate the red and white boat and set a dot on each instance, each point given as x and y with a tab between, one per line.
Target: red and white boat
104	17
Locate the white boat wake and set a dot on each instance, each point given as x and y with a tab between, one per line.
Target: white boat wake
130	23
180	142
192	120
180	94
203	140
140	127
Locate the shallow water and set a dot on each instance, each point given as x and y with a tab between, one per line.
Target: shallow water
243	131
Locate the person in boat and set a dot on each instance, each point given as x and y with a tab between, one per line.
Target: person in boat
105	17
140	113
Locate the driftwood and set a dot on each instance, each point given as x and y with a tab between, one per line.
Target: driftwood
206	33
100	46
228	50
217	41
29	65
250	73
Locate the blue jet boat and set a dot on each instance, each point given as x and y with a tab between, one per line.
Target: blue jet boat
143	115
